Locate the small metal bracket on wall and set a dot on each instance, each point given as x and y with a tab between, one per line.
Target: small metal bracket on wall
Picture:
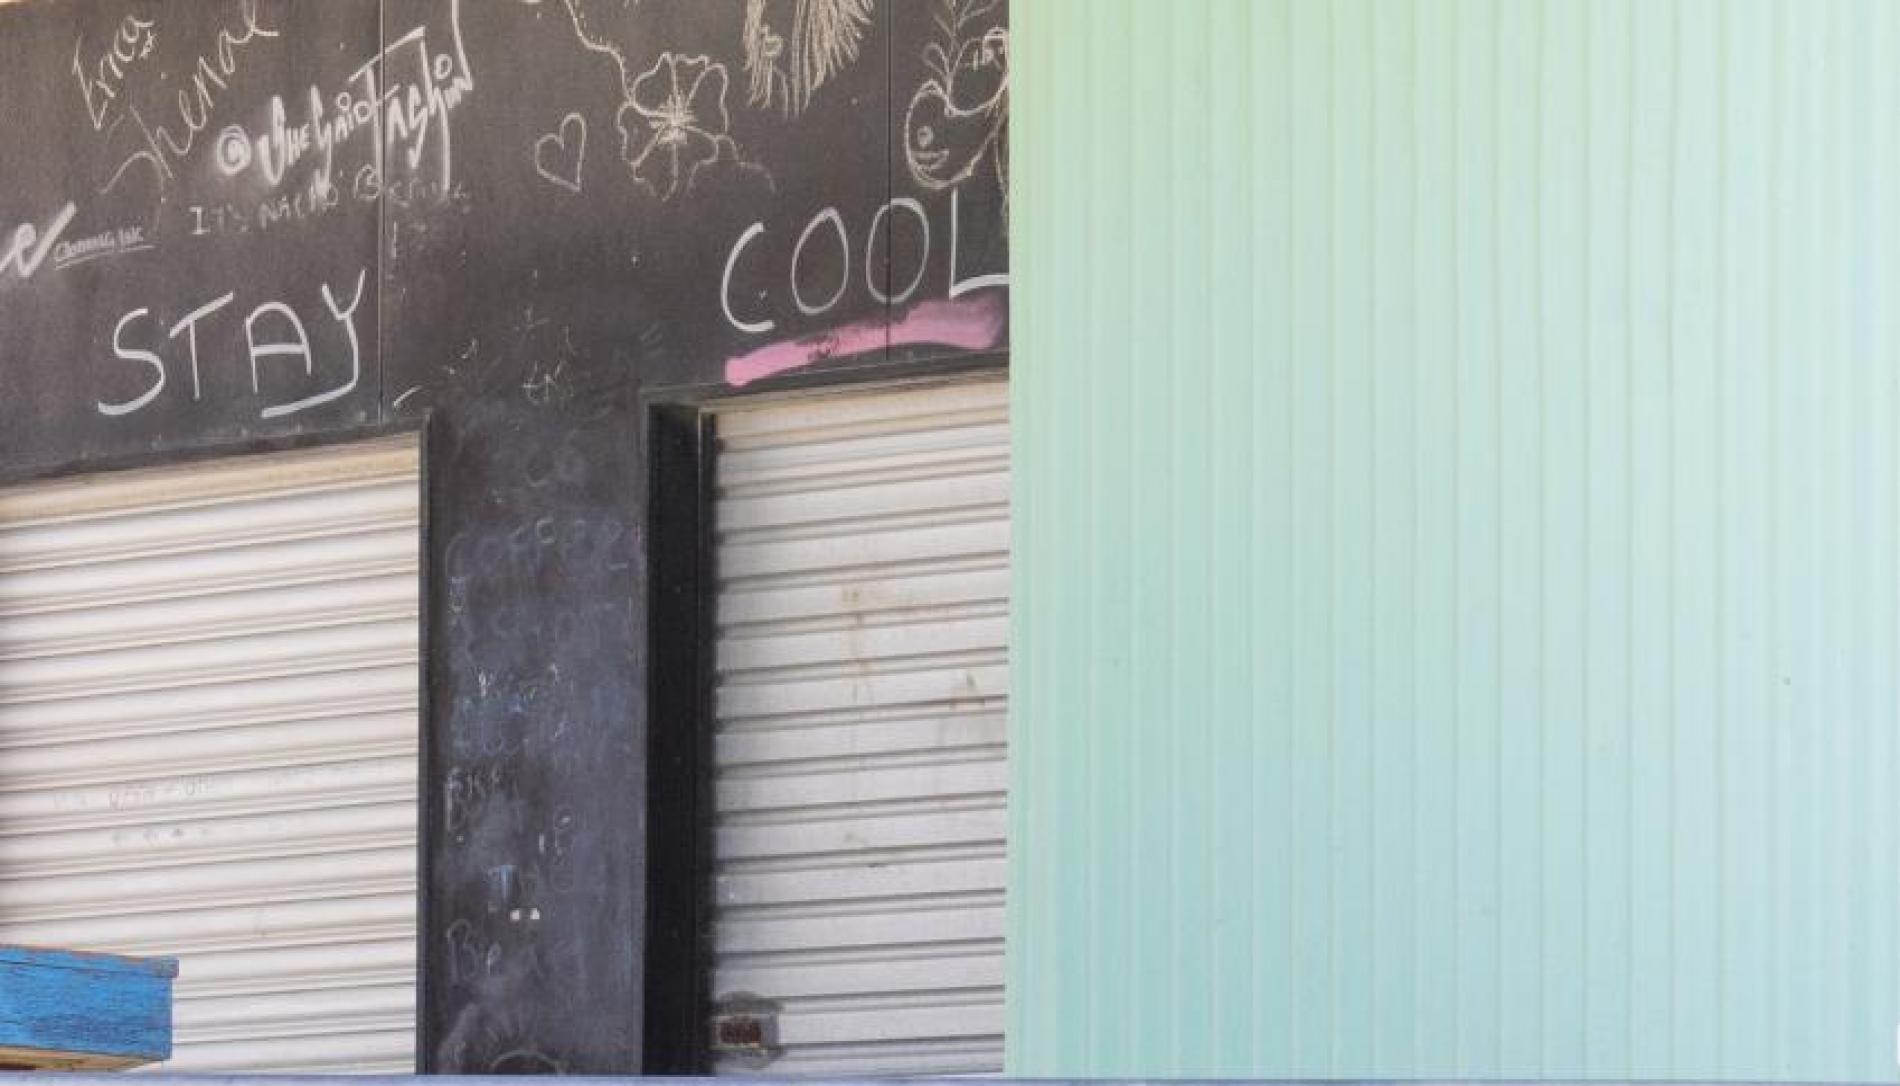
745	1030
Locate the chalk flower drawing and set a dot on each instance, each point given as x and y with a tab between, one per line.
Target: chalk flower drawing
675	124
825	38
957	118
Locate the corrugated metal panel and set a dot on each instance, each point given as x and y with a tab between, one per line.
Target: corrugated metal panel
208	744
1457	446
863	558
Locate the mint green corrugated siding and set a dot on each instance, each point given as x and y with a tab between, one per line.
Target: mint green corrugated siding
1456	538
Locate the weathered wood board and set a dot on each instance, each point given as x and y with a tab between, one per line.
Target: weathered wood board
63	1010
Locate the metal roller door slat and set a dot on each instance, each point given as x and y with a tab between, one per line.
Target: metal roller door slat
842	508
208	744
861	767
135	580
293	876
224	526
304	968
829	416
974	727
867	549
883	833
252	701
210	616
864	597
149	800
772	932
947	686
294	923
881	1021
212	750
308	471
192	663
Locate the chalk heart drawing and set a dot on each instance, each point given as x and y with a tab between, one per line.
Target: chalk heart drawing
559	155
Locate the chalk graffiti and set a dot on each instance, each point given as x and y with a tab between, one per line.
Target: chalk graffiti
674	124
273	331
560	155
27	247
592	41
407	110
971	324
824	39
828	229
672	117
108	243
162	146
957	119
101	81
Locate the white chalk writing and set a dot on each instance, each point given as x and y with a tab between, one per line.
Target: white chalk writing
100	82
827	230
273	331
403	96
26	248
163	145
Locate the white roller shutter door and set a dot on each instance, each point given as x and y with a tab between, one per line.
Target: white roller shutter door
860	755
208	743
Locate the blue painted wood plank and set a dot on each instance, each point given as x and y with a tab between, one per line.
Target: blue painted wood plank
95	1006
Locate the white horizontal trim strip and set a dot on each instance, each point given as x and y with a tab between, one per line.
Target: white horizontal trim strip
918	639
283	1012
162	667
210	481
224	527
925	972
905	880
136	580
783	421
374	689
983	678
260	926
956	729
956	922
283	878
985	776
390	1051
841	836
742	608
300	968
760	490
161	800
210	750
136	847
196	618
987	537
982	1019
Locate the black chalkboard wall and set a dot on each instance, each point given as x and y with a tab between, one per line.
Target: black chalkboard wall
225	222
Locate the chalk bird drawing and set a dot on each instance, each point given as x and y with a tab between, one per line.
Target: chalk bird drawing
785	68
957	120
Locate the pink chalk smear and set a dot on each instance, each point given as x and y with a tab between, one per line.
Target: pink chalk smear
970	324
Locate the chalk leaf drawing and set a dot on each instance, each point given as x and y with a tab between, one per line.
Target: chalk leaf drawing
675	124
784	69
957	119
560	155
